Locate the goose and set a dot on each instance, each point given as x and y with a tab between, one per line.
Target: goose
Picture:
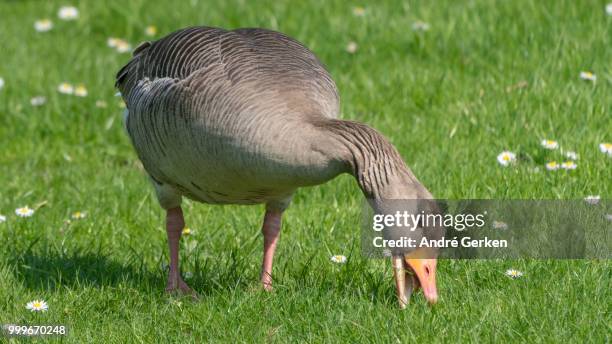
247	116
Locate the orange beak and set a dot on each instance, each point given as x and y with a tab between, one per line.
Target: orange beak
425	271
410	273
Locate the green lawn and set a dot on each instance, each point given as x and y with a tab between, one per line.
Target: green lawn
487	76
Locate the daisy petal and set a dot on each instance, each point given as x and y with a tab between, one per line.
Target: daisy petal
553	165
150	30
351	47
358	11
338	259
588	76
68	13
43	25
513	273
572	155
80	91
24	211
38	101
606	148
37	306
77	215
499	225
420	26
65	88
592	199
569	165
550	144
506	158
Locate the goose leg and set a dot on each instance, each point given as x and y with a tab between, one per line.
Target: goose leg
174	228
271	231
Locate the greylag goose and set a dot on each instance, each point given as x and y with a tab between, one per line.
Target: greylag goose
247	116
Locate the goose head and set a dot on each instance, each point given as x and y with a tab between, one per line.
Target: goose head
413	271
414	267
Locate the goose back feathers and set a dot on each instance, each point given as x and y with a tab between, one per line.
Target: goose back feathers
229	116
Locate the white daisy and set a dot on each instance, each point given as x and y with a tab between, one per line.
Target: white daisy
569	165
24	211
150	30
609	9
123	46
358	11
592	199
68	13
80	91
513	273
420	26
499	225
572	155
606	148
553	165
1	83
351	47
609	217
506	158
590	76
188	275
549	144
2	218
77	215
37	306
43	25
112	42
65	88
339	259
101	104
38	101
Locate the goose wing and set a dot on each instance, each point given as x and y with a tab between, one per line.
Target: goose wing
259	58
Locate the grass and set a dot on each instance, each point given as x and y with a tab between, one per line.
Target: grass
444	97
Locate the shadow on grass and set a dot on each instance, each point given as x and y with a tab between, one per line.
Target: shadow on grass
78	269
